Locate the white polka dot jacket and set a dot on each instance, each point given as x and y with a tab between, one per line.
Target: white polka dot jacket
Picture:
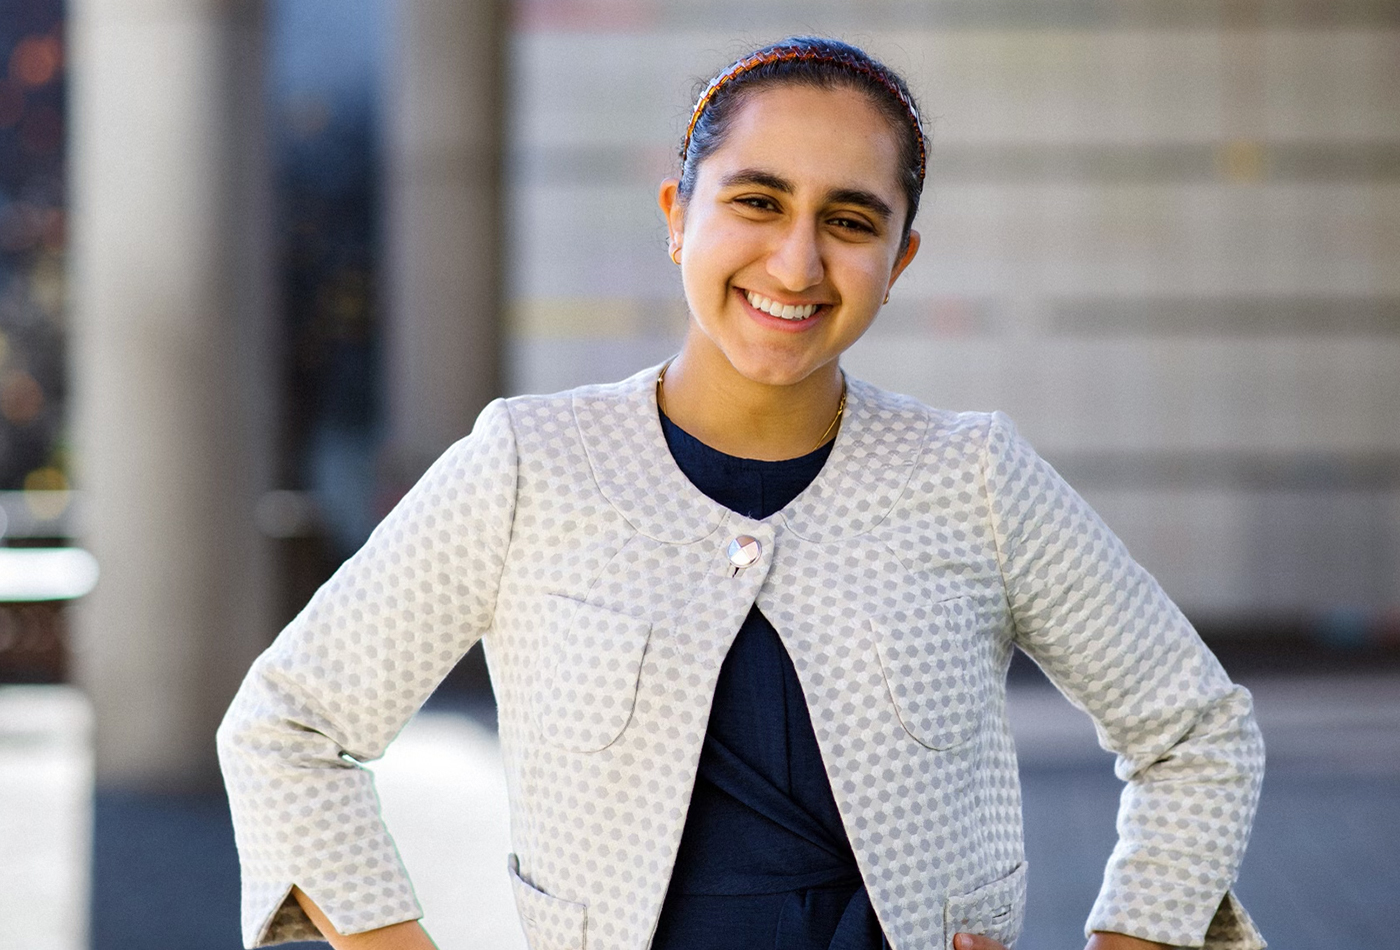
562	535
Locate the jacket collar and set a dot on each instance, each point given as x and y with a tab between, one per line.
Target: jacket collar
877	447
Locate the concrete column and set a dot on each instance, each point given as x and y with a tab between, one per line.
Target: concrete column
442	122
171	370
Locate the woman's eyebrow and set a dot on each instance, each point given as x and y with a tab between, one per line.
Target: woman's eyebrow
756	176
837	196
861	198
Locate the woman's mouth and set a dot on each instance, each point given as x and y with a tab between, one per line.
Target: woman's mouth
791	312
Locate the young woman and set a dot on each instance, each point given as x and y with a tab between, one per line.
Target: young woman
748	620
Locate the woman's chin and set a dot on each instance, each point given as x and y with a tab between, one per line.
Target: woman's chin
779	369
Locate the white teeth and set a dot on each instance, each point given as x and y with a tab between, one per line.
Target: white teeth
773	308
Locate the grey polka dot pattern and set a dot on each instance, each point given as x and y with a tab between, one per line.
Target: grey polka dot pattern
994	910
562	535
925	654
585	698
549	923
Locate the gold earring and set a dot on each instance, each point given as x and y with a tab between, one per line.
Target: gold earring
676	254
887	296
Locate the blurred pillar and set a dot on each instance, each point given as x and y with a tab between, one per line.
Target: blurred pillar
442	121
171	357
45	817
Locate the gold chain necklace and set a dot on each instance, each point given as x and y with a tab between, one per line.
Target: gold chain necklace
840	407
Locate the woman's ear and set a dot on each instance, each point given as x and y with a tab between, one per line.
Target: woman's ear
911	247
669	199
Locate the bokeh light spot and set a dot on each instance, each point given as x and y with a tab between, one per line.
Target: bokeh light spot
47	478
46	493
35	61
21	398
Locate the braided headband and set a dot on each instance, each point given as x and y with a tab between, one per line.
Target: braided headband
788	54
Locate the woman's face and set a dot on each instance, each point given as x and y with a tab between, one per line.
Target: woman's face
791	237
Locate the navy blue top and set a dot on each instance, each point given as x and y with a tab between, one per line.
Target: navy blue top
764	861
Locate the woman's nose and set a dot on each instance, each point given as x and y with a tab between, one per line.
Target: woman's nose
796	261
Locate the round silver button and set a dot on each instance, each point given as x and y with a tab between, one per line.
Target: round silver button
744	550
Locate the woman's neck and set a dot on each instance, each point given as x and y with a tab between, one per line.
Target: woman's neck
728	411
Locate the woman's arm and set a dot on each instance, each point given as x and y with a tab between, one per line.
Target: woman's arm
408	935
340	682
1188	747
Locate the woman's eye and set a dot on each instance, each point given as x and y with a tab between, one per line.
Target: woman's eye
757	202
853	224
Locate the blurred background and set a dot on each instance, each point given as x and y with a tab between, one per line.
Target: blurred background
260	262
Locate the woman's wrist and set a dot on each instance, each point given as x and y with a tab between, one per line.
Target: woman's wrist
408	935
1105	940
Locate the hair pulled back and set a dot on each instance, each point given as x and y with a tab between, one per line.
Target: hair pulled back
820	63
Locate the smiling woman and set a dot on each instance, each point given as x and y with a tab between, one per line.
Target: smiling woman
749	621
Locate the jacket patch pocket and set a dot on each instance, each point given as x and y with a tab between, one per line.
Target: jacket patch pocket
591	660
926	656
550	923
995	910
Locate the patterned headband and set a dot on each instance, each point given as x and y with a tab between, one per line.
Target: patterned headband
788	54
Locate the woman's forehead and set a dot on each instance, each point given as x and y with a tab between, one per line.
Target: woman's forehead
814	137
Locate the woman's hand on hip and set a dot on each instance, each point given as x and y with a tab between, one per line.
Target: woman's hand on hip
1099	941
1103	940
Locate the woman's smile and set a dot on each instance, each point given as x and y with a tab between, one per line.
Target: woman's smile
790	317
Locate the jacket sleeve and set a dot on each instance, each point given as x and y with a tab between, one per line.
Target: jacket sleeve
341	681
1186	741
